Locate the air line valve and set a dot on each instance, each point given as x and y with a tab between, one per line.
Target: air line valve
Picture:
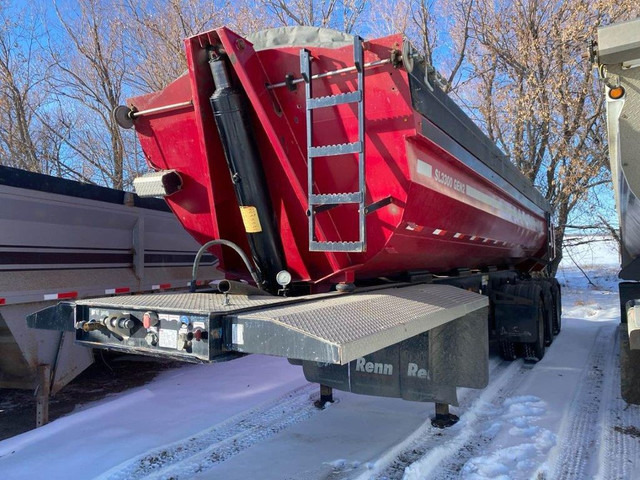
149	319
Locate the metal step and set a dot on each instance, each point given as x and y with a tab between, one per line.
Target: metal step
315	246
331	150
342	328
335	198
333	100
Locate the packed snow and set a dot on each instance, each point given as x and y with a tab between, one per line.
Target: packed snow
254	417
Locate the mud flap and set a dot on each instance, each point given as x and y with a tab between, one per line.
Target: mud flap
425	368
516	312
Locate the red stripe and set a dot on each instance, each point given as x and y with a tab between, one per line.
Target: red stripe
68	295
165	285
2	301
122	290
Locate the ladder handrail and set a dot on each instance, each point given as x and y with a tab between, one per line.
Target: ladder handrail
313	151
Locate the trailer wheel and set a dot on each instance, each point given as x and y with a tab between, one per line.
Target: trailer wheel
534	352
557	305
548	306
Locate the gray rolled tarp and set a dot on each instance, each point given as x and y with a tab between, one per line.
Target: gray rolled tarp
299	37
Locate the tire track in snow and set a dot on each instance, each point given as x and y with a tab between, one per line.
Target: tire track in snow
483	423
432	446
198	453
578	437
618	439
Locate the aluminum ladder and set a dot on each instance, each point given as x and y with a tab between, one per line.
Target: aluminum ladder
327	201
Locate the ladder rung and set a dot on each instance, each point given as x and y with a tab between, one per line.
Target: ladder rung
336	246
333	100
335	198
340	149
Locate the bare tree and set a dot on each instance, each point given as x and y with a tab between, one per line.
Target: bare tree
538	97
343	15
248	17
25	141
89	68
438	28
156	31
388	17
155	35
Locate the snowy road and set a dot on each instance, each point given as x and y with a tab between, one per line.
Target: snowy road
253	418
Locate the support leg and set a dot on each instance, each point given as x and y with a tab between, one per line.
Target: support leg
444	418
42	407
326	396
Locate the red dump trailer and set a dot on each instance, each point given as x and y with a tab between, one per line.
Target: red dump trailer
367	228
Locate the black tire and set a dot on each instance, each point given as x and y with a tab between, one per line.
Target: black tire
556	292
548	306
508	350
534	352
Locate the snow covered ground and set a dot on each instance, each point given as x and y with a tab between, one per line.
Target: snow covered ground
561	418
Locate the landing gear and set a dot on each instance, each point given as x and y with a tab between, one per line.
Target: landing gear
444	418
326	396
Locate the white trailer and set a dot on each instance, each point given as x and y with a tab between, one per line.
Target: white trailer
617	56
61	239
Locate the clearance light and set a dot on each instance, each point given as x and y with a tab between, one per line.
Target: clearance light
616	93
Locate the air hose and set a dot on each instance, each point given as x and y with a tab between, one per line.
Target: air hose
255	274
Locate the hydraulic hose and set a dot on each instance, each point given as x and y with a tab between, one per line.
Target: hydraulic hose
255	274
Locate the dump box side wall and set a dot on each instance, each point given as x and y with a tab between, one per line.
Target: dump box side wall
400	234
63	239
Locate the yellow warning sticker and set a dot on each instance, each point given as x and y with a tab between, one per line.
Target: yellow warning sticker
250	219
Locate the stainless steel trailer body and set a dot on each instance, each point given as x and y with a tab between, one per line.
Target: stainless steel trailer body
617	56
61	239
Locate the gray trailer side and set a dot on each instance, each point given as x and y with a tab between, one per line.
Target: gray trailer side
61	239
617	55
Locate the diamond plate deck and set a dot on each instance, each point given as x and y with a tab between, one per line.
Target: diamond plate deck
331	328
343	328
187	303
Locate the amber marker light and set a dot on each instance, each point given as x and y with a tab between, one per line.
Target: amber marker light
616	93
